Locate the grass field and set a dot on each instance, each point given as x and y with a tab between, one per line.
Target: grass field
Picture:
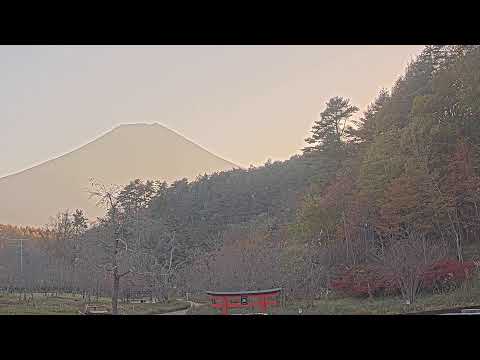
68	304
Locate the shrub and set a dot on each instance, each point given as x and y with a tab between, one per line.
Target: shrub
373	280
447	274
364	280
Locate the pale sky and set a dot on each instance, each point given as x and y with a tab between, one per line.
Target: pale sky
243	103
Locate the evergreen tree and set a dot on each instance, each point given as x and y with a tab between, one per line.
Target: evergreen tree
328	132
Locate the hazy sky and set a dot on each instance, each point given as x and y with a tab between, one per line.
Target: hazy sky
243	103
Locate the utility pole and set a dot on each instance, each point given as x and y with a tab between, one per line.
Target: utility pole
21	257
21	253
22	280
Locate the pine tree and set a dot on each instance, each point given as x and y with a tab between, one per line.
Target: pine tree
328	132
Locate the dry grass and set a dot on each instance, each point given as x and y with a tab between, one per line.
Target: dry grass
68	304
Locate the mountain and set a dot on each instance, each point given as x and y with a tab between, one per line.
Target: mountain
144	151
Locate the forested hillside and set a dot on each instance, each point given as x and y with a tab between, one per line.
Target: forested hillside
382	203
413	159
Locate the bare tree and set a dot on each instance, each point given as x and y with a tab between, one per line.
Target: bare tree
113	227
406	258
134	244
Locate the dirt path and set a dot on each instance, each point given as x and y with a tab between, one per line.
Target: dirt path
183	312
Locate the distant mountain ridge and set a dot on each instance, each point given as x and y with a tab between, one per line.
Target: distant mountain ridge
144	151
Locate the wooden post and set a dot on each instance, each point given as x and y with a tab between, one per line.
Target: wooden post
225	305
263	305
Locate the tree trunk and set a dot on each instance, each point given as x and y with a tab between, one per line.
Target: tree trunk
346	237
457	238
116	283
116	279
97	290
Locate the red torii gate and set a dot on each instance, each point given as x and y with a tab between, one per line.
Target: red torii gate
226	300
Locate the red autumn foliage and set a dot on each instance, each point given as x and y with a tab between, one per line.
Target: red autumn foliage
446	273
365	280
372	280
